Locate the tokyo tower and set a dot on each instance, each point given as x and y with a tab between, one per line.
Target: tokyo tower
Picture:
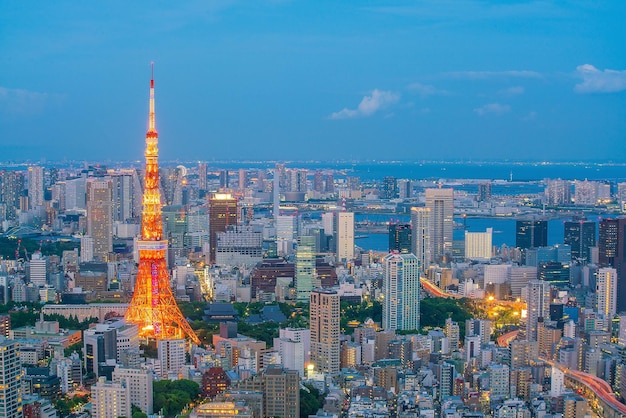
153	307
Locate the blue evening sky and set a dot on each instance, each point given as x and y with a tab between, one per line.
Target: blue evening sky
431	79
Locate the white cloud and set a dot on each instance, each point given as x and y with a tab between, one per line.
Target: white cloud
597	81
512	91
486	75
425	89
20	101
493	109
379	99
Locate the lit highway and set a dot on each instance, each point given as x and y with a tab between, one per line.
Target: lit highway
598	386
504	340
434	290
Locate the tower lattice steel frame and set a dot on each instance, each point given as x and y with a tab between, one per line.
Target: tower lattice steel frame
153	307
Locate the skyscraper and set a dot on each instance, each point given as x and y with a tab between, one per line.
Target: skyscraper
100	216
531	234
153	307
305	267
122	196
344	230
580	235
10	383
400	237
12	188
202	176
420	236
607	241
441	205
325	330
612	253
35	186
401	281
390	188
537	306
222	213
606	292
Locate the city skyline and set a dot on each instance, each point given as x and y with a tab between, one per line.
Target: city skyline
515	80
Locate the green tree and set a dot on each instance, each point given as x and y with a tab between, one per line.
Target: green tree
172	396
310	400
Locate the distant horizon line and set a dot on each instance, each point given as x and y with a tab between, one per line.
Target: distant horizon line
386	161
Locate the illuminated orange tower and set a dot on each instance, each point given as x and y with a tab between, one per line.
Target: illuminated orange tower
153	307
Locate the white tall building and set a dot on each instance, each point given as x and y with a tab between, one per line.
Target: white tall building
171	355
420	236
441	205
344	230
35	186
328	223
557	382
478	245
38	269
537	306
139	382
110	399
401	282
606	292
291	354
10	384
302	335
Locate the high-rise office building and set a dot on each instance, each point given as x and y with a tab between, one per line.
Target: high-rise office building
222	213
282	392
484	192
400	237
612	253
122	196
325	330
344	233
243	178
580	236
420	235
139	381
38	271
11	189
100	217
606	292
401	281
389	188
171	354
478	244
35	186
110	399
537	306
10	383
607	241
202	176
531	234
441	205
305	268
